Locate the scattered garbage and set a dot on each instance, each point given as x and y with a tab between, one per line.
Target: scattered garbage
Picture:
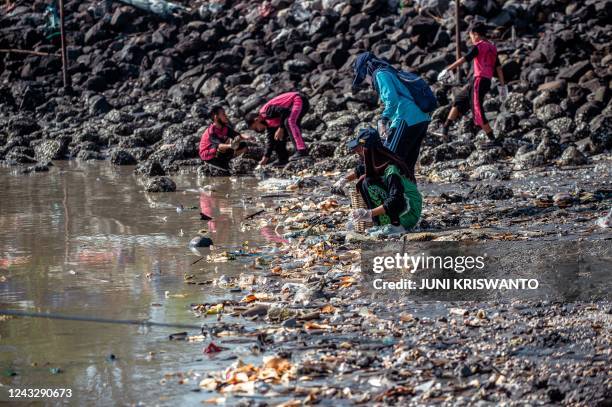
161	8
212	348
200	241
605	221
179	336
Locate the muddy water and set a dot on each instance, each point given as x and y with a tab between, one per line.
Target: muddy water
85	239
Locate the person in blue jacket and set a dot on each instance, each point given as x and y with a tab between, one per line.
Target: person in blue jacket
403	125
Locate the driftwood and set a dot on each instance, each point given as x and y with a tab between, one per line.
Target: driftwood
25	51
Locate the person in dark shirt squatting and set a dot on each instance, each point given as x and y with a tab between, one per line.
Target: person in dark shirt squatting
393	200
486	62
279	116
220	143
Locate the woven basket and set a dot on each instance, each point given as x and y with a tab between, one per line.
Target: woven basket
358	202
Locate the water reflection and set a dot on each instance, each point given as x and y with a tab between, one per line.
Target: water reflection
86	240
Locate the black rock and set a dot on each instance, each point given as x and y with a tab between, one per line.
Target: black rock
321	150
49	150
207	170
242	165
98	105
548	148
574	72
212	87
601	132
555	395
160	184
122	157
549	112
150	169
505	123
572	156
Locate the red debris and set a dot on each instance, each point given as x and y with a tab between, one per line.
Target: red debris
212	348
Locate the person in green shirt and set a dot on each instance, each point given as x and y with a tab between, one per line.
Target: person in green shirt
391	197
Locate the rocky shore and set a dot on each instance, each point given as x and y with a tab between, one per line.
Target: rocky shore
141	89
300	326
141	84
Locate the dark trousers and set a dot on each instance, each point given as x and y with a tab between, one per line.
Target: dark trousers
405	141
222	159
277	146
472	97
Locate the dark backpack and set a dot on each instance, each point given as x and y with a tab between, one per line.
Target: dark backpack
422	94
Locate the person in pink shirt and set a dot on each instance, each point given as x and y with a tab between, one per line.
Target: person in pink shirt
220	143
280	116
486	63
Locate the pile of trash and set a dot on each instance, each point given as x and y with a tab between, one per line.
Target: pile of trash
308	332
144	72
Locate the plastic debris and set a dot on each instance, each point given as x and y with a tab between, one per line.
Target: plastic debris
161	8
212	348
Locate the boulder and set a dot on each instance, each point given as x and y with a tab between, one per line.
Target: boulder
49	150
322	150
122	157
549	112
242	165
601	132
207	170
516	102
505	123
573	72
160	184
212	87
86	155
560	126
150	169
572	156
98	105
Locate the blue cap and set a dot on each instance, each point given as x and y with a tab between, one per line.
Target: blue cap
367	138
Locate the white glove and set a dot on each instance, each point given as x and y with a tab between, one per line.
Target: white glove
338	186
236	143
503	92
362	215
442	75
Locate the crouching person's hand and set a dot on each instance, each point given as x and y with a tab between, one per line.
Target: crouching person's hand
338	187
361	215
278	135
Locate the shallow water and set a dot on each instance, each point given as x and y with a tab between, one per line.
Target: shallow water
85	239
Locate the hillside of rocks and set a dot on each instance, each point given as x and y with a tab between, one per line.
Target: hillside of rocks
142	83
